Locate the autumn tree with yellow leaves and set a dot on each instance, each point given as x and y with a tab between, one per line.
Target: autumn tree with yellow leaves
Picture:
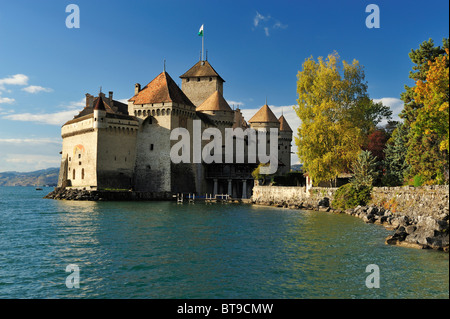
336	116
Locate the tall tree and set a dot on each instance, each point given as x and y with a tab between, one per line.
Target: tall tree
394	163
336	115
424	156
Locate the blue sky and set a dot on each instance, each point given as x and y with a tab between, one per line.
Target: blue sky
258	47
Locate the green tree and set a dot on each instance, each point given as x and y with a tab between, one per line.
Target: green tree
364	170
424	155
336	115
396	167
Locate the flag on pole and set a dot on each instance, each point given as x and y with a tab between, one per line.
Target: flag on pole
200	32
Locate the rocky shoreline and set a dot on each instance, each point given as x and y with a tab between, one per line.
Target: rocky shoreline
421	232
61	193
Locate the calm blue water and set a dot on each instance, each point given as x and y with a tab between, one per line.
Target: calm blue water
165	250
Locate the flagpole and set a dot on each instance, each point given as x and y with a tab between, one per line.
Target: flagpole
203	40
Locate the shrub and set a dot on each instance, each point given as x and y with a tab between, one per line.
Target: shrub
349	196
417	181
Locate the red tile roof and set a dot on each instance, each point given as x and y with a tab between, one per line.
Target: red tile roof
161	89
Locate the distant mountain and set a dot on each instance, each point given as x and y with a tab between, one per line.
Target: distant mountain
297	167
42	177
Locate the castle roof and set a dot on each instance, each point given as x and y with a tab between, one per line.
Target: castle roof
215	102
161	89
284	126
264	115
99	105
102	104
201	69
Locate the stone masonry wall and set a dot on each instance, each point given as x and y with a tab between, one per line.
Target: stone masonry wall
430	201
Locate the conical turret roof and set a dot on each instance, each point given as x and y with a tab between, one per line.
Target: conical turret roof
99	105
284	126
215	102
264	115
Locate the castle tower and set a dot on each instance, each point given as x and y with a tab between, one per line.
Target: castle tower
160	107
200	81
264	119
218	110
284	142
99	146
99	114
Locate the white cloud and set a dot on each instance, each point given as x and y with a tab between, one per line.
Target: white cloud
36	89
17	79
30	141
258	18
6	100
58	118
267	23
31	158
235	103
395	104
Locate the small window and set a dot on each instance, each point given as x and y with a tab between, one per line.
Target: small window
187	80
151	147
73	174
79	163
82	173
198	79
210	79
79	155
115	158
70	159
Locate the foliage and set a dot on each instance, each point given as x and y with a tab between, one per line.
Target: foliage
433	94
256	174
394	161
425	113
336	116
418	180
348	196
377	143
364	170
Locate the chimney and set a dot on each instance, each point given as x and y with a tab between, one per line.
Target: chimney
111	98
137	88
89	100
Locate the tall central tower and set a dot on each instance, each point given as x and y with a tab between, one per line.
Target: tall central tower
200	82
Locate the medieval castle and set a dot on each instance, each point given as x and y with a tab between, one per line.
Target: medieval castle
111	145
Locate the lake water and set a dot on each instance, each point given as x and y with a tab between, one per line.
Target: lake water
170	250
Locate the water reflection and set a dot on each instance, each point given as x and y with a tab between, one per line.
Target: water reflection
165	250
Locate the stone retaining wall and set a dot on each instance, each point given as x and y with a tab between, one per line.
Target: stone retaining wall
430	201
419	215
